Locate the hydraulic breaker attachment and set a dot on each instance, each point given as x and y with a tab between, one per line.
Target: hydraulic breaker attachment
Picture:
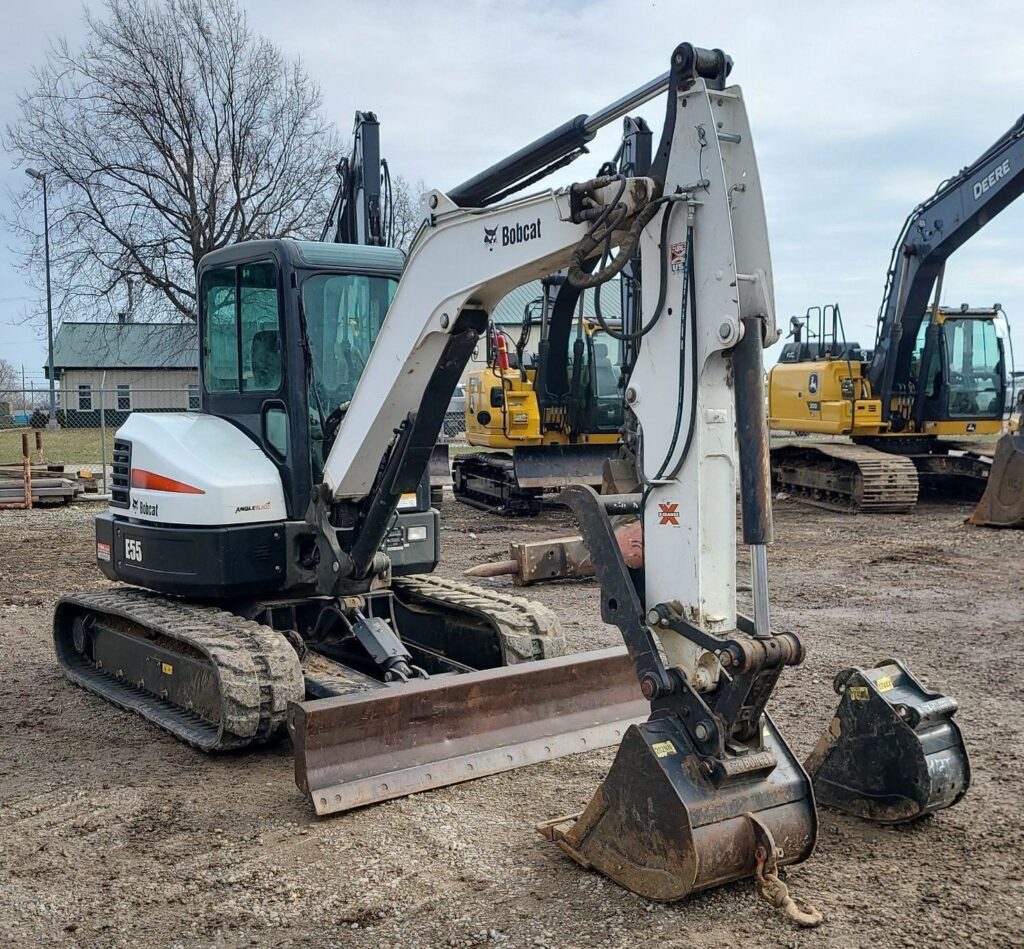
1002	504
892	751
359	749
564	558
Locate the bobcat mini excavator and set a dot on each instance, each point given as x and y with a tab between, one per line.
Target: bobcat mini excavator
262	576
935	374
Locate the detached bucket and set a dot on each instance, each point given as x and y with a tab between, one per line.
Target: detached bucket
1002	504
892	752
666	822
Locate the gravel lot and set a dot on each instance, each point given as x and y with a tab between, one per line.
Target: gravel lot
113	834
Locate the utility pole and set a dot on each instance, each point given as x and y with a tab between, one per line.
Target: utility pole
41	176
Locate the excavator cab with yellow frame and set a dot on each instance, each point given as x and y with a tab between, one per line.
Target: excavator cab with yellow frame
551	418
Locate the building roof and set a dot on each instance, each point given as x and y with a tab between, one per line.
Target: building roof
126	346
509	310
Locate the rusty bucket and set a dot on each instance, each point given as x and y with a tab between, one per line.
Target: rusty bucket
664	824
1002	504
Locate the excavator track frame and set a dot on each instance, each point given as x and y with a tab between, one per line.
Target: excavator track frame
525	629
487	481
848	478
222	682
254	669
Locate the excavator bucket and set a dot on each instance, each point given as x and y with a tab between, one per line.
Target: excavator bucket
892	751
557	466
1002	504
664	824
359	749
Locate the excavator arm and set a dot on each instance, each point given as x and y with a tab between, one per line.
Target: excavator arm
462	262
705	789
936	228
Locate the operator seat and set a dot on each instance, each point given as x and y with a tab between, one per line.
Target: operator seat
606	379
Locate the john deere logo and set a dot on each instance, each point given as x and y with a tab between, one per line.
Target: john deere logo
490	237
812	383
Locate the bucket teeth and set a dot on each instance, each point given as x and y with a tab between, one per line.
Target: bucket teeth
892	751
663	825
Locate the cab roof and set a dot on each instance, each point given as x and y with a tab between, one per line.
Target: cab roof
356	258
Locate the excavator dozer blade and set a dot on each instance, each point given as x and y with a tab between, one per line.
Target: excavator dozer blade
355	750
1002	504
663	825
892	751
557	466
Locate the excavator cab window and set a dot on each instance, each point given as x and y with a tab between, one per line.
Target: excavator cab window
974	361
965	375
602	370
242	329
343	315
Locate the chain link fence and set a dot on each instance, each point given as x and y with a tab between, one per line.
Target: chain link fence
79	435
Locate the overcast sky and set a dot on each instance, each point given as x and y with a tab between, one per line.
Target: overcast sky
858	111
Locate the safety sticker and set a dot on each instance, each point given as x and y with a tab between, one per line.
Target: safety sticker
166	668
859	693
884	684
677	256
103	552
668	513
663	748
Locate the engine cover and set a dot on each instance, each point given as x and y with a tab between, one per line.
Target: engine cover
198	470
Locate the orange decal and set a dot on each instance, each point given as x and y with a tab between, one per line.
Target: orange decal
668	513
154	482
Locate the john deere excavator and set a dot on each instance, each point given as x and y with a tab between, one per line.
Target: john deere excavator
255	546
935	373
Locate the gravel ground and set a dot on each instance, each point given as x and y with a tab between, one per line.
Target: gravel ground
113	834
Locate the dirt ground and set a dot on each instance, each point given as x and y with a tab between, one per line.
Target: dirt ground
113	834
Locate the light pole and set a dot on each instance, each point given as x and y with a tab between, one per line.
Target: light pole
41	176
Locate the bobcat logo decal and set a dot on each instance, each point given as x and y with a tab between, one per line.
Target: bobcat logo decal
490	237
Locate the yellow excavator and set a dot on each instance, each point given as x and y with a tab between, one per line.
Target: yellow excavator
936	374
554	416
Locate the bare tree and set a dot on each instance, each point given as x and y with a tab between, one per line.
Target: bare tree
405	208
174	130
8	381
